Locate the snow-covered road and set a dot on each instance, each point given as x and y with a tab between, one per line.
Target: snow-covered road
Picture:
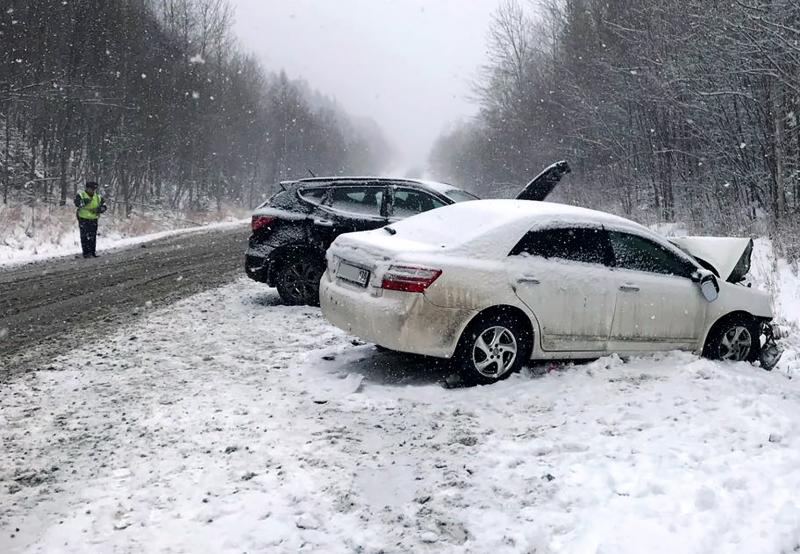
228	423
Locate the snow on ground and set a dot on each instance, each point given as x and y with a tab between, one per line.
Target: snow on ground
229	423
28	235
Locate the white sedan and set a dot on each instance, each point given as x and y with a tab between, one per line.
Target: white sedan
494	283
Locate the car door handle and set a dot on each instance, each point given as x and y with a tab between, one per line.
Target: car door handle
528	279
629	288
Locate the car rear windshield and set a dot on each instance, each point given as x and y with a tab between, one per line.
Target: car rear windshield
451	226
314	195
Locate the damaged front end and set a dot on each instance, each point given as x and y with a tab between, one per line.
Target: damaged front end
729	259
771	352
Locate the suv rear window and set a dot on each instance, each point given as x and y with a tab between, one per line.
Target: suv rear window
457	195
314	195
408	202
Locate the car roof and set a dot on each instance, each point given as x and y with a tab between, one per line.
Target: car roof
433	186
493	223
546	213
489	229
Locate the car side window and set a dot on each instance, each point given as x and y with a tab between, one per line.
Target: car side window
408	202
641	254
579	244
357	200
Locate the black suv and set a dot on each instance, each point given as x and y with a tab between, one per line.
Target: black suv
294	228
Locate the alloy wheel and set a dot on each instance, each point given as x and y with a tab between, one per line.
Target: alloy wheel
736	344
302	281
494	352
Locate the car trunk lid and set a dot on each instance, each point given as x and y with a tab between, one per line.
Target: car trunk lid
371	249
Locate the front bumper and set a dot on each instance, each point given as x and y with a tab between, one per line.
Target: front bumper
400	321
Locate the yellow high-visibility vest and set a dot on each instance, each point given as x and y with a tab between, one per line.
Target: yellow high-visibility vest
89	204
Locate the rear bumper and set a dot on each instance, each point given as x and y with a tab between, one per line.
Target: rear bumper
257	264
400	321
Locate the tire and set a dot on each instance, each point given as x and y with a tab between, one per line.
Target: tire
298	279
735	339
492	347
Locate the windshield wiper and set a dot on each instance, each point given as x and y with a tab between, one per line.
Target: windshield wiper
390	230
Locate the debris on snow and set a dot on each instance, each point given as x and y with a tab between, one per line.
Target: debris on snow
775	438
307	521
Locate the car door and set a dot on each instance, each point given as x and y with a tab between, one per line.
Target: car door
658	305
353	208
406	201
564	276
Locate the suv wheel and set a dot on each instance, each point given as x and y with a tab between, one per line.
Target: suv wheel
493	347
298	279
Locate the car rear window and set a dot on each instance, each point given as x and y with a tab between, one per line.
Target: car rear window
358	200
408	202
313	195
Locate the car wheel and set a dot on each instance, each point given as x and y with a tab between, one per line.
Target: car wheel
493	347
298	279
735	339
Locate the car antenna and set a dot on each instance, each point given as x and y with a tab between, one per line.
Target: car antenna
312	173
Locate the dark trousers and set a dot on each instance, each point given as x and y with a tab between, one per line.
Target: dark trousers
88	228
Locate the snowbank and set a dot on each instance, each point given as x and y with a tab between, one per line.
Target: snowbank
30	234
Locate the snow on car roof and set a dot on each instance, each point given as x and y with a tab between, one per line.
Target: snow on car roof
470	219
483	228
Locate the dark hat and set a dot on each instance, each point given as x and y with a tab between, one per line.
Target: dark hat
91	185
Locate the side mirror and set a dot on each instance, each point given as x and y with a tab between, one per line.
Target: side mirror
709	287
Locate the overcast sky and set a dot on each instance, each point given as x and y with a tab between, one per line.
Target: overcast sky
407	64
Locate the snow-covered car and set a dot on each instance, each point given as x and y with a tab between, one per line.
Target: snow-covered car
494	283
294	228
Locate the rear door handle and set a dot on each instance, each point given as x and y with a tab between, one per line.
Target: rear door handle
629	288
528	279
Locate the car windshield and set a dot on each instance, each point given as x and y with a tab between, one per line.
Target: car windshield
458	195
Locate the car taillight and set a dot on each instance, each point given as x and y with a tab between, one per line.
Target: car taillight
260	221
409	279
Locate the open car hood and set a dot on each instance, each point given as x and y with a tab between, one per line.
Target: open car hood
544	183
728	257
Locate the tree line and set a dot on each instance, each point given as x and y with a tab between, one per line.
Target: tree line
154	99
668	110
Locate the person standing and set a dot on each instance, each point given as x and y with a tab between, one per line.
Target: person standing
90	205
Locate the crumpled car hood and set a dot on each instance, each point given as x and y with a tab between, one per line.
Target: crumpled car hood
729	256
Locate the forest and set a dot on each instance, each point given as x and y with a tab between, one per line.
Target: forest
156	101
670	111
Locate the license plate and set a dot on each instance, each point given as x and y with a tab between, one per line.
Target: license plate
353	274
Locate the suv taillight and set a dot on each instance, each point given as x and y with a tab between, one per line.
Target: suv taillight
409	279
260	221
